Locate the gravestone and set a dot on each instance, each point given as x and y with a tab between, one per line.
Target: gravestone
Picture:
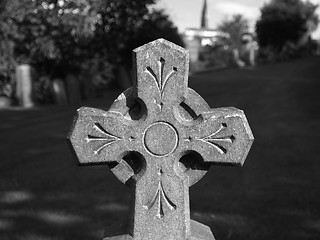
160	137
59	92
24	89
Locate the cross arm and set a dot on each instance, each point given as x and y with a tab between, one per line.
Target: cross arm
99	137
223	137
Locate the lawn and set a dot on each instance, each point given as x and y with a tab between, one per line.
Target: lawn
44	195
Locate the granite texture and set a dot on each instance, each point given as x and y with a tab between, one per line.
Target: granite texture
160	137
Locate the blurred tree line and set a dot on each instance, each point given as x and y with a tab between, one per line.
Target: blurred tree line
284	29
91	37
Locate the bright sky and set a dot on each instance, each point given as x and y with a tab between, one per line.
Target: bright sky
187	13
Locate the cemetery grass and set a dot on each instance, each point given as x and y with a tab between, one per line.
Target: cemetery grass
44	195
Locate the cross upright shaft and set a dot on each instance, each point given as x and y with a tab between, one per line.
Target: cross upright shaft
145	135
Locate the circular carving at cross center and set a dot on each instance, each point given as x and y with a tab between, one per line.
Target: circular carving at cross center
160	139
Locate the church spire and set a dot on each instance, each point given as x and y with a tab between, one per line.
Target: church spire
204	16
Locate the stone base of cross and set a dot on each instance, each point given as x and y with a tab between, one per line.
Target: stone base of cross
198	231
160	137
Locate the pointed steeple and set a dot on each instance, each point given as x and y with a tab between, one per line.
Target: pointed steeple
204	16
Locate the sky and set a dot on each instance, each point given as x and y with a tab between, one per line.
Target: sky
187	13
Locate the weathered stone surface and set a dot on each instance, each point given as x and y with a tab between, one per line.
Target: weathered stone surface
160	137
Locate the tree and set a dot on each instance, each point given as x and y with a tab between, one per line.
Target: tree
118	27
235	27
285	21
156	24
59	35
70	36
3	4
48	34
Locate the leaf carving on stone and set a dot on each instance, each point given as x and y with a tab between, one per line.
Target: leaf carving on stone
105	137
159	79
218	142
159	200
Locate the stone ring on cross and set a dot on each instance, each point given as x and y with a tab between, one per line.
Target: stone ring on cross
160	137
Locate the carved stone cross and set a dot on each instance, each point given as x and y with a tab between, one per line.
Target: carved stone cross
160	137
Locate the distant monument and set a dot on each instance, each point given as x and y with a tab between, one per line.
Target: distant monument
196	39
245	54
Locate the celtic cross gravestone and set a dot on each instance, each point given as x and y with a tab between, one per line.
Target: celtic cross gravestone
160	137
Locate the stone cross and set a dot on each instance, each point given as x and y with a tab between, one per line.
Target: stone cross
160	137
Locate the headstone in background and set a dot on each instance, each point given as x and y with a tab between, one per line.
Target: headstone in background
160	137
59	92
24	90
73	89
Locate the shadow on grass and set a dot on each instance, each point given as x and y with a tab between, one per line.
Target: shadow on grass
25	215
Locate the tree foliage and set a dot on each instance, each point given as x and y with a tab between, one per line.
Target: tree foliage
60	36
155	25
235	27
284	21
49	34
